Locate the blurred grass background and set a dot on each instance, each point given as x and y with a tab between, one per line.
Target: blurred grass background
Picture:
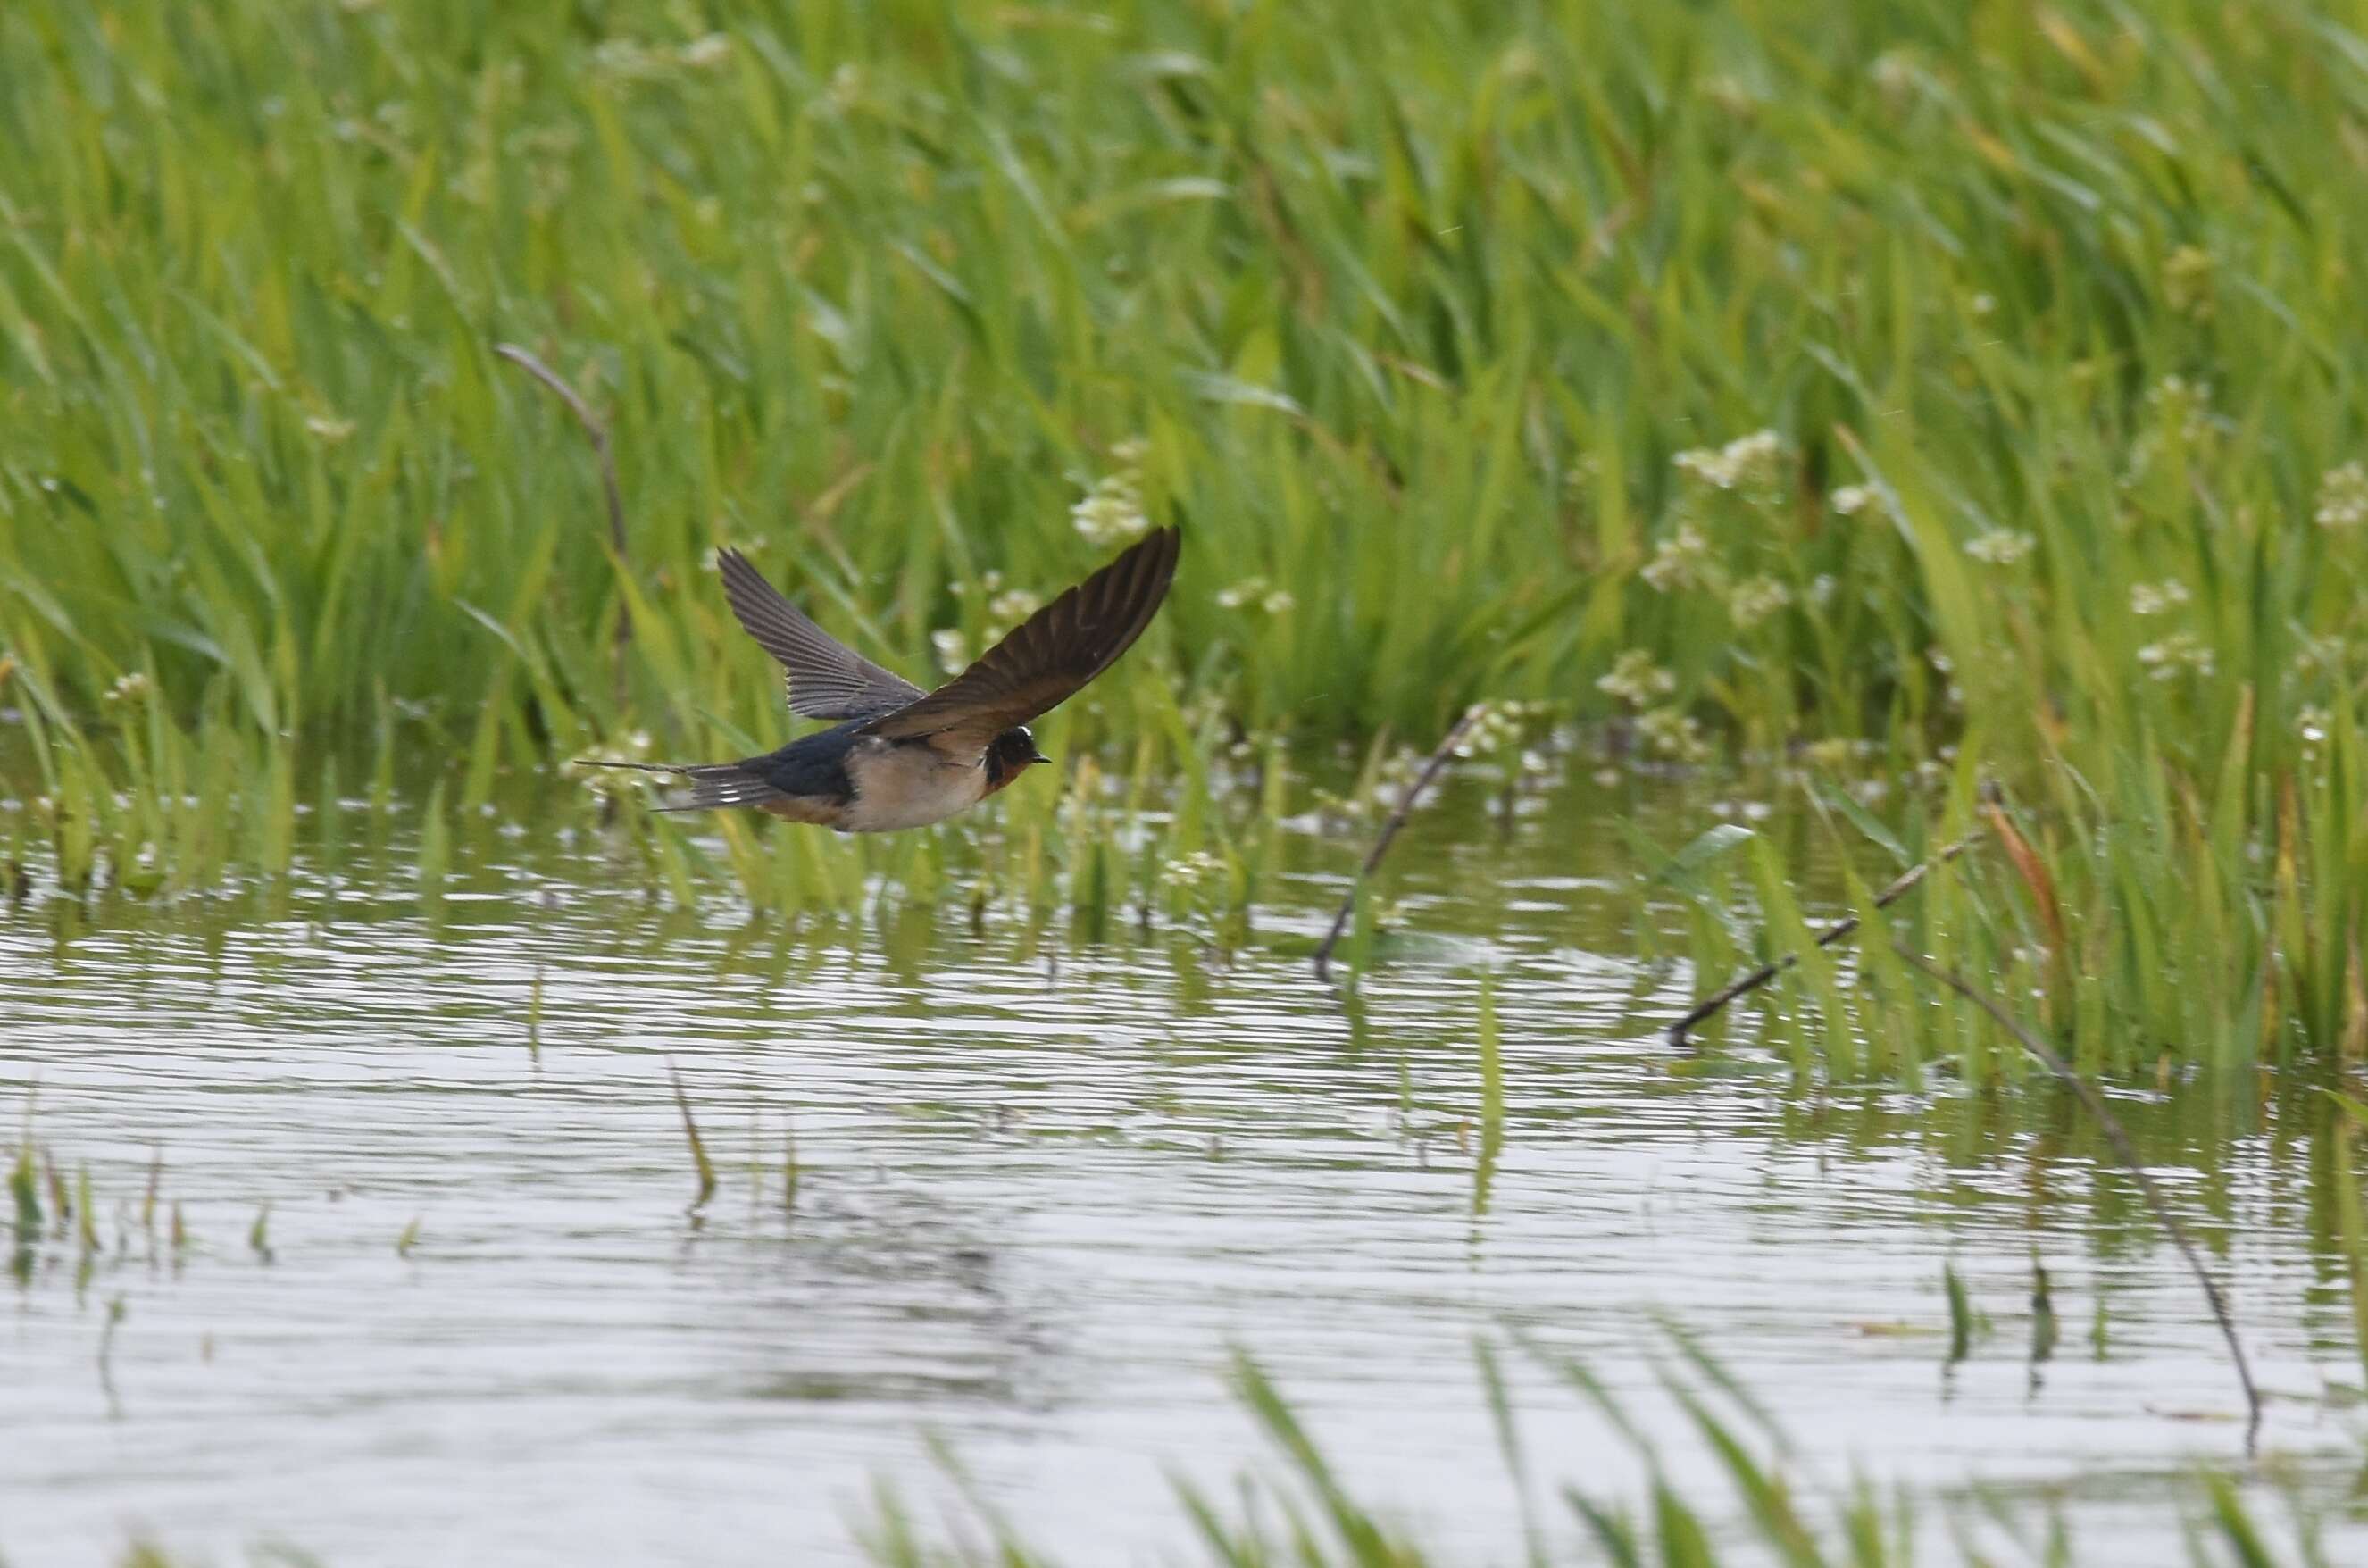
1881	386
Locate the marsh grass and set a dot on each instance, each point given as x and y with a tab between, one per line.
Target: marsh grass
1298	1508
1925	399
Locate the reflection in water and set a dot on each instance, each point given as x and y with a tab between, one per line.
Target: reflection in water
1045	1184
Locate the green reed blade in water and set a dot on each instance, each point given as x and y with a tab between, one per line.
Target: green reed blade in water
1961	1313
2350	1224
25	1192
1491	1097
699	1159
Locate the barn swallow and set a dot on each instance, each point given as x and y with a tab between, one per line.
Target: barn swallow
900	756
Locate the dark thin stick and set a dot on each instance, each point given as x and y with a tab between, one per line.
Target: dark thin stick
2127	1151
1390	830
1743	986
598	432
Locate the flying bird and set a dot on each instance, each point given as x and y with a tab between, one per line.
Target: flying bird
900	756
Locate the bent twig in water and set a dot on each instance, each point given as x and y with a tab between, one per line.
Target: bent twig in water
1743	986
1390	830
2127	1153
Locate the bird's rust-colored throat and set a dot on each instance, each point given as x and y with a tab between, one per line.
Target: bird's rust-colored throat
1001	779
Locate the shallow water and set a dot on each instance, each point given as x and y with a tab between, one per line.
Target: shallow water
1047	1186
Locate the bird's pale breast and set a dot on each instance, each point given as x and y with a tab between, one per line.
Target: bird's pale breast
906	786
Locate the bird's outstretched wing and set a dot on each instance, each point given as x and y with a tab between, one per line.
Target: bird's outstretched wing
1052	655
826	679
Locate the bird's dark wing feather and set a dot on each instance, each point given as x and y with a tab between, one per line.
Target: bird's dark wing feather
1050	656
826	680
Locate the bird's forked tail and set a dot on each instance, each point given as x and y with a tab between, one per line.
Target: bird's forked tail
712	784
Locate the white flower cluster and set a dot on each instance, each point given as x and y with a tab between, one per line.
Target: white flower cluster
1755	599
1680	560
128	689
2342	498
2181	652
1006	607
1635	679
1112	511
1753	463
1498	725
2155	598
628	60
1895	72
1258	594
2001	546
1852	499
952	649
1013	605
1672	733
1192	873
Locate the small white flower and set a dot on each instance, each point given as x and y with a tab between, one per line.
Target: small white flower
708	51
1678	560
1731	93
1254	593
951	649
1755	599
1497	726
1673	734
1111	513
1749	463
1635	678
1895	72
2181	652
2001	546
1853	499
1187	875
128	688
2154	599
2342	498
1013	605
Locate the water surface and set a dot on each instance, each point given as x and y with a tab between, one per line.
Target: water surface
1048	1185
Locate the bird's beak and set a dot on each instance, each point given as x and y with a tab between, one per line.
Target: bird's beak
1035	756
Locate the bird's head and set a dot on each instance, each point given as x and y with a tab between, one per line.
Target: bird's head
1010	754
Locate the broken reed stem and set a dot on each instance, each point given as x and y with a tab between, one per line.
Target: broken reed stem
2122	1149
526	359
1743	986
1390	830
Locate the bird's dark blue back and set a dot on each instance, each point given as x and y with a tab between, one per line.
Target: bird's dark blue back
812	764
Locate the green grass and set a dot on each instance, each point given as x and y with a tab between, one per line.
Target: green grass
1445	330
1298	1509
